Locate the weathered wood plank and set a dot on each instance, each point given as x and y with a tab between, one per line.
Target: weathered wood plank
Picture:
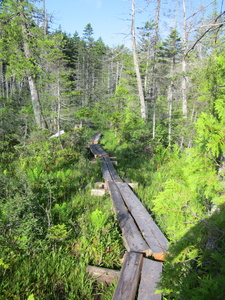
101	150
150	275
112	170
105	171
100	185
133	185
151	232
96	138
94	150
132	237
103	274
129	277
88	123
97	192
97	150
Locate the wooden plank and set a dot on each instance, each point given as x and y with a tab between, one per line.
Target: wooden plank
132	237
97	192
129	277
112	170
105	171
133	185
101	150
94	150
100	185
150	275
96	138
103	274
89	124
151	232
97	150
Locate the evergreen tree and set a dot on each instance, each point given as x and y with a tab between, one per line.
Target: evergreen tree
20	30
169	55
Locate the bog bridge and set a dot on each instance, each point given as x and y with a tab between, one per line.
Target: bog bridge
144	241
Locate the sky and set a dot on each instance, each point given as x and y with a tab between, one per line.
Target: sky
110	19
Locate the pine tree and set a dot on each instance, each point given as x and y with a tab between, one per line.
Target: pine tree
169	55
18	47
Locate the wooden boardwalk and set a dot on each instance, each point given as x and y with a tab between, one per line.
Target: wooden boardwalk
144	241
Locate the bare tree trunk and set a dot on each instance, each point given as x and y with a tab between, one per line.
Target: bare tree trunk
157	21
170	100
31	81
117	74
170	104
154	120
2	80
184	64
155	89
136	64
45	17
58	107
35	101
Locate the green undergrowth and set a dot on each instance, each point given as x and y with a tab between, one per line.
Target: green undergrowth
51	227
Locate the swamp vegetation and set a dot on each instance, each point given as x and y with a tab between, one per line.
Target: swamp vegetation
51	228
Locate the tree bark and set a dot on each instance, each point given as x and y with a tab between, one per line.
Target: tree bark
170	100
170	103
45	28
33	90
136	64
184	64
155	89
31	80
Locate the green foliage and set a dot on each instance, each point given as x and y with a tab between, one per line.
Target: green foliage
98	219
183	192
4	265
211	132
58	232
99	239
51	227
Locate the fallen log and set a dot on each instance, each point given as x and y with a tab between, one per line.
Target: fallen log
97	192
103	274
57	134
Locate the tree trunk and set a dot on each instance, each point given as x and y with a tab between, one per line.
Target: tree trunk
155	89
136	64
35	101
31	80
184	64
45	27
170	104
170	100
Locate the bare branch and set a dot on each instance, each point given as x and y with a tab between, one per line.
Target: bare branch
201	37
201	9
